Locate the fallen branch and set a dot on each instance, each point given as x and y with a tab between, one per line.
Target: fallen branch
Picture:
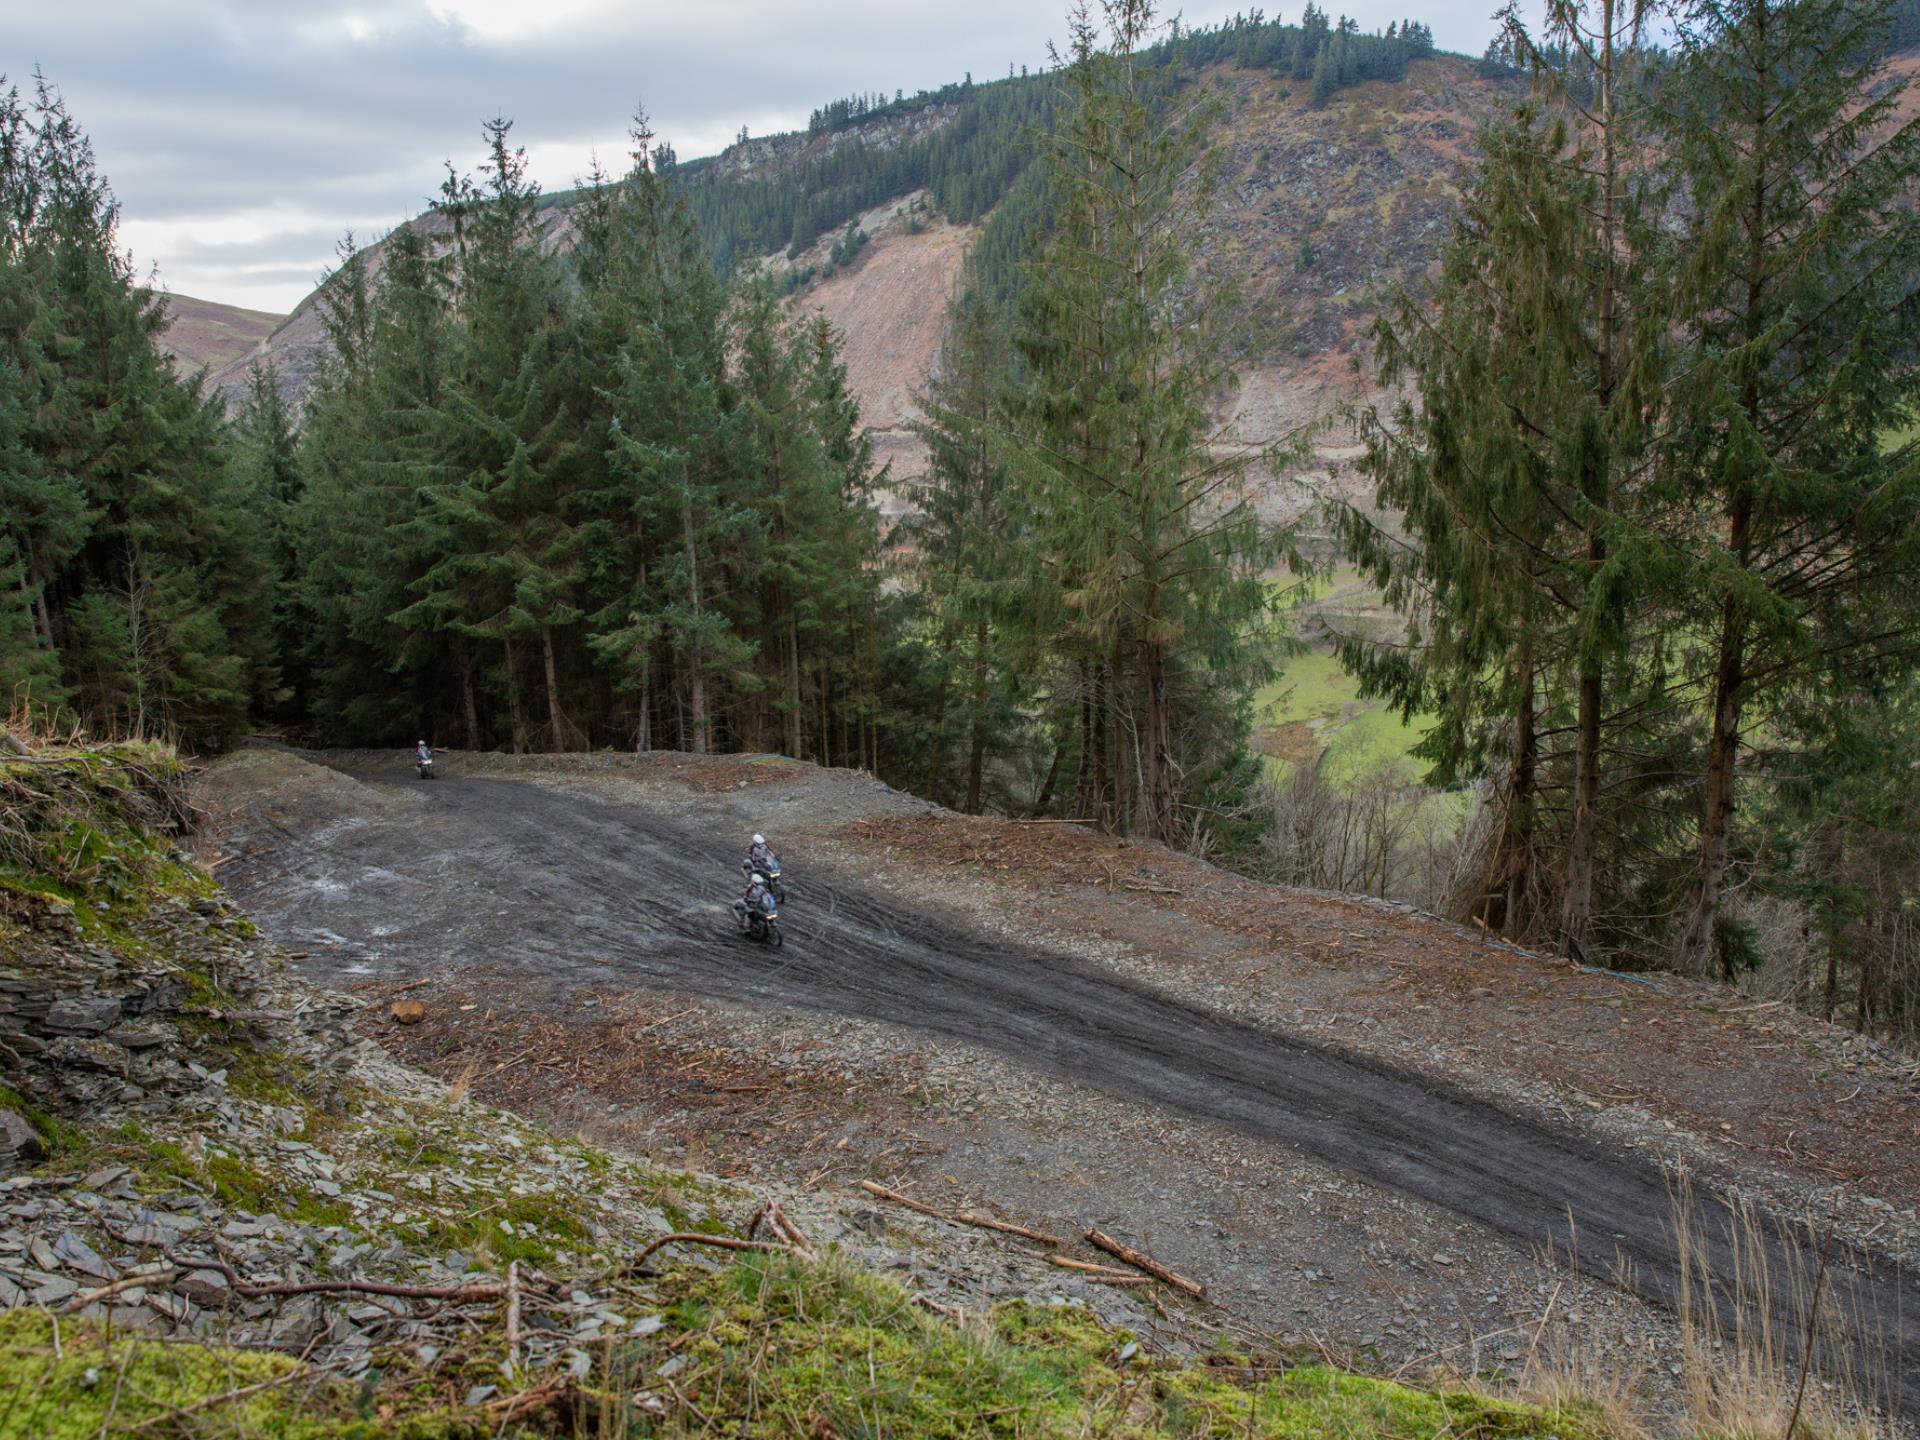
794	1235
1089	1268
956	1313
1101	1240
125	1282
724	1242
245	1291
374	1287
983	1222
513	1313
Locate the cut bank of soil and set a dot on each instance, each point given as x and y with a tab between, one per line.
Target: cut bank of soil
509	878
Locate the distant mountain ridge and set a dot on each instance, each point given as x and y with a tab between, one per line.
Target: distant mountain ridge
1322	209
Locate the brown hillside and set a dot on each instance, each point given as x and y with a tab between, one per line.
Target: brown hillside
203	335
1322	210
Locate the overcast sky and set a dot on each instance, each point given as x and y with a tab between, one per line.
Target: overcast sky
244	137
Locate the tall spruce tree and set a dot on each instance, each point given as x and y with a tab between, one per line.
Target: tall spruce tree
1539	372
671	507
1799	316
970	553
1135	481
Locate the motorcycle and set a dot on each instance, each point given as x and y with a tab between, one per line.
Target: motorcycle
425	767
762	924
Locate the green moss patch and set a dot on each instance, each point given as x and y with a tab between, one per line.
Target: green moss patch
91	1384
768	1347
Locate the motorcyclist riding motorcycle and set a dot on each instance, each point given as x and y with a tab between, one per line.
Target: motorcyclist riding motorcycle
756	896
423	758
762	861
758	912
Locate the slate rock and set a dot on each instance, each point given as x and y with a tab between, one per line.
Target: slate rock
20	1144
89	1053
143	1035
52	1289
82	1015
204	1287
76	1254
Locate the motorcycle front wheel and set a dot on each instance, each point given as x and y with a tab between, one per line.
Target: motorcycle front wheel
775	936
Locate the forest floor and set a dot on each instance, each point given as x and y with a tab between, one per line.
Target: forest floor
1355	1125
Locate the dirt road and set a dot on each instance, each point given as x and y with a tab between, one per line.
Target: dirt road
517	877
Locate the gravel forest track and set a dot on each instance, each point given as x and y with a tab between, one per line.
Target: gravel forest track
510	877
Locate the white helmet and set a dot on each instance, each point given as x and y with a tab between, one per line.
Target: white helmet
758	838
756	878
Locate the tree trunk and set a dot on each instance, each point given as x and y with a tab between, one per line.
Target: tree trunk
1053	776
1161	814
469	706
1716	819
643	725
1102	779
977	739
697	674
824	681
1517	862
795	738
556	719
936	758
516	712
1576	915
1083	778
36	604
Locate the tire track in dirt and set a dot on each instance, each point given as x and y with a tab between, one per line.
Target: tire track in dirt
520	878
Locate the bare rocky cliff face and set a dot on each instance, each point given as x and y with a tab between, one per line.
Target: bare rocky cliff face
1321	212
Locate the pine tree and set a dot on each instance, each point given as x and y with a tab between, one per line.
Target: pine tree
671	506
123	546
268	482
1539	373
1800	319
969	556
506	568
1123	339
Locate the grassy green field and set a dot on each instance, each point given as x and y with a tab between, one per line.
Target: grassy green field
1314	707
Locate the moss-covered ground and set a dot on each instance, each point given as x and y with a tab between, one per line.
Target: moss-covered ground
65	1380
770	1347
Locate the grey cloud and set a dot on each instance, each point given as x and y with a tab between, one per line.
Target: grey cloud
203	109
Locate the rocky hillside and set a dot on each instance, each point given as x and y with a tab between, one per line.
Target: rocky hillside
203	335
1322	209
